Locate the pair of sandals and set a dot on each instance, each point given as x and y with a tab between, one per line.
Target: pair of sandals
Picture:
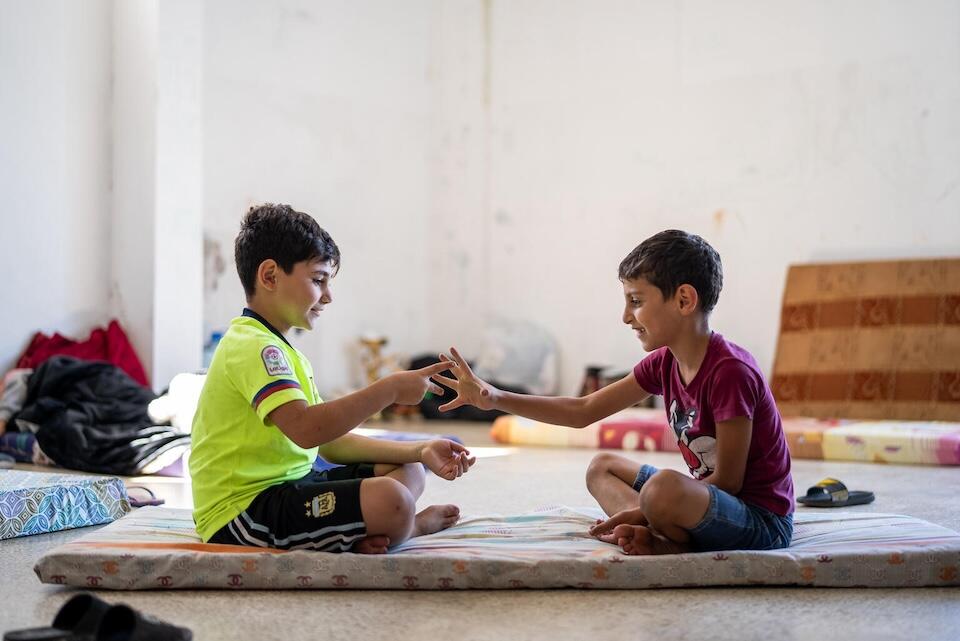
832	493
88	618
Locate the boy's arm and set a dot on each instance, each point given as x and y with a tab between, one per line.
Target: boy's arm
558	410
353	448
312	425
445	458
733	446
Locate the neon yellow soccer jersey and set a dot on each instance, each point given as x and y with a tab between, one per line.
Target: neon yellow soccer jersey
237	452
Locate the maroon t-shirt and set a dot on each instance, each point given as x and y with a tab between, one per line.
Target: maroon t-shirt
728	385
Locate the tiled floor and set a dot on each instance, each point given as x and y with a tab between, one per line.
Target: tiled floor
511	481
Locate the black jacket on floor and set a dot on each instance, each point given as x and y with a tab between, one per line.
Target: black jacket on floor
92	416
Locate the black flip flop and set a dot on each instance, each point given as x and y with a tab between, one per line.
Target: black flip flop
77	619
143	502
832	493
123	623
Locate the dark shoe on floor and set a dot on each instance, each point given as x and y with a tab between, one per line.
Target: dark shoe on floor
78	619
832	493
123	623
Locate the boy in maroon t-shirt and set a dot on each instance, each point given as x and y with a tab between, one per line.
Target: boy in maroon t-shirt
718	404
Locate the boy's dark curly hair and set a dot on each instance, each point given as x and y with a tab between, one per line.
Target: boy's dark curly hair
283	234
673	258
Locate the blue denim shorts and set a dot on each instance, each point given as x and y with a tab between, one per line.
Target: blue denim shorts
731	524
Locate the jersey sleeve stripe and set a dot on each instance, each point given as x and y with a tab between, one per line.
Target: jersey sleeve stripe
271	388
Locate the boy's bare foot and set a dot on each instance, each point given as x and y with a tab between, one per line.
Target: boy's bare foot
435	518
376	544
639	539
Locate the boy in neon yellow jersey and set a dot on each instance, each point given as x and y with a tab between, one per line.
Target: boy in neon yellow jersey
260	421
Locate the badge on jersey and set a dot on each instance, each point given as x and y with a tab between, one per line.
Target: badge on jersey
274	361
321	505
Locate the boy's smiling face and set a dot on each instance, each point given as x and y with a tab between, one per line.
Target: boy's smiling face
654	319
303	293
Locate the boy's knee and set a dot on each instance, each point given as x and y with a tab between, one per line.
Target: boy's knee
409	474
387	506
413	478
599	467
415	472
390	495
661	493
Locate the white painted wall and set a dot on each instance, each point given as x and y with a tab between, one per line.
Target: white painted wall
782	132
157	202
481	158
549	139
133	250
54	169
178	284
101	170
474	158
327	107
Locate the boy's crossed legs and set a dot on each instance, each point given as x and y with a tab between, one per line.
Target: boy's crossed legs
362	508
388	502
653	520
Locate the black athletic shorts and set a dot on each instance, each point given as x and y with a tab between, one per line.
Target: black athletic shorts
320	511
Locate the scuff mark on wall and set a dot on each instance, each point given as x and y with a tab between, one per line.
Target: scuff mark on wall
213	263
487	47
721	216
948	190
487	98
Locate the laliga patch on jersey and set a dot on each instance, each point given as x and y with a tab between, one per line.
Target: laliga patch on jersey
274	361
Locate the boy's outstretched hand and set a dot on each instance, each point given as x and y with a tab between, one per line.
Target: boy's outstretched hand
445	458
470	388
411	386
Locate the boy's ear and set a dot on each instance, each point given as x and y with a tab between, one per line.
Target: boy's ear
267	274
687	299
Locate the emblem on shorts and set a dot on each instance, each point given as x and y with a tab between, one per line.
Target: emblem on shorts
274	361
321	505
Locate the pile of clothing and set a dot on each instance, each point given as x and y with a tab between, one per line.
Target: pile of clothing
88	415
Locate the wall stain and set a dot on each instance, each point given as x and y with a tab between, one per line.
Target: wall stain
719	217
487	53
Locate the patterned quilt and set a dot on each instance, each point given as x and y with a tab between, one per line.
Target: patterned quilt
37	502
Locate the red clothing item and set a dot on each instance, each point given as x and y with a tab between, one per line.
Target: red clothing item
728	385
110	345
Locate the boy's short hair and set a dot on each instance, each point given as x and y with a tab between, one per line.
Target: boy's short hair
673	258
283	234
